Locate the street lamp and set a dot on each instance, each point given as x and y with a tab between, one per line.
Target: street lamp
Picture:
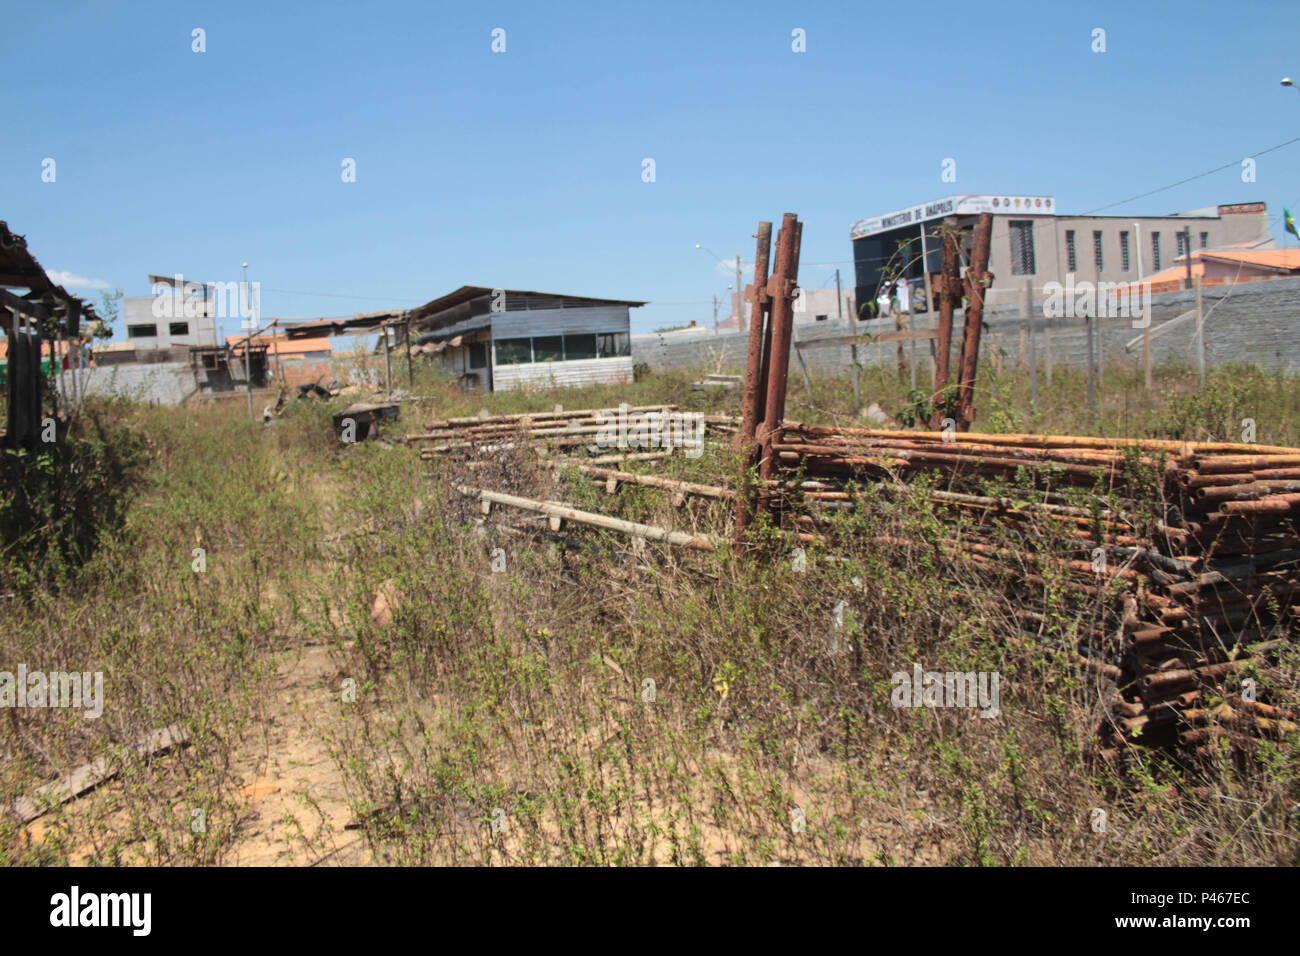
740	306
1287	81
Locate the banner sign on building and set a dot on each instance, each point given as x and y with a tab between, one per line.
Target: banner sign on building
953	206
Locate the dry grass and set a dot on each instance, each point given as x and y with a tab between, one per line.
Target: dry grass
509	716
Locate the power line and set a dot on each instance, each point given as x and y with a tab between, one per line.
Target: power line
337	295
1210	172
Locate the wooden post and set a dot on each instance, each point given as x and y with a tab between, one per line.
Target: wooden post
803	368
388	365
1146	355
1027	310
1047	354
410	366
1200	331
1092	364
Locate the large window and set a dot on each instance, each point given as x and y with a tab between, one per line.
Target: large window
1123	251
1097	259
561	348
614	343
1155	251
514	351
141	331
1071	257
581	346
478	355
548	348
1022	247
178	328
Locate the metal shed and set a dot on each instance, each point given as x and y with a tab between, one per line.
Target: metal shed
509	338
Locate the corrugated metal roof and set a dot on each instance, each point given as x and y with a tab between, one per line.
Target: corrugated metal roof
433	314
355	325
20	270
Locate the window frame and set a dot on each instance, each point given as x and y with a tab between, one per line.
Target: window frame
559	357
1026	263
621	344
595	348
509	344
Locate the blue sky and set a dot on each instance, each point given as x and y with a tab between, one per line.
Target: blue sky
523	169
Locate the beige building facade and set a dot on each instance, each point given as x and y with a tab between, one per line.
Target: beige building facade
1033	241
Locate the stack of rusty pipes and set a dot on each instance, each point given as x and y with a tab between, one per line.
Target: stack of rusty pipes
771	331
653	423
1196	593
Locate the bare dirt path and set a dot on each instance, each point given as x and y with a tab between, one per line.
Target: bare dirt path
295	802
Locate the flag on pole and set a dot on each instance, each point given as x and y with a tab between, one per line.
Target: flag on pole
1290	222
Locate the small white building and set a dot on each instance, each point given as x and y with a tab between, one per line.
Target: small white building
179	314
503	338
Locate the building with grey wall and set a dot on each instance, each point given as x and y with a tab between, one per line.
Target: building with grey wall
179	314
1033	240
502	338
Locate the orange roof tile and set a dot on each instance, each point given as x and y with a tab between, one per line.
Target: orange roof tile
1280	259
284	345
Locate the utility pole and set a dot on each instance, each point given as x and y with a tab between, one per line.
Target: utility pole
1188	248
275	345
740	300
250	323
1146	332
715	312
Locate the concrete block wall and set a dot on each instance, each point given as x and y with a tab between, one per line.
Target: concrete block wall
1255	323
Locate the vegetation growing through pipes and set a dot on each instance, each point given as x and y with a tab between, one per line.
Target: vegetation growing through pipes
522	690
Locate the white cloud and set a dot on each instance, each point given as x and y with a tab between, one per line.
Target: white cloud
72	281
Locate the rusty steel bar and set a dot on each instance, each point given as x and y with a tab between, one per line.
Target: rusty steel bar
755	393
977	280
949	295
781	287
755	400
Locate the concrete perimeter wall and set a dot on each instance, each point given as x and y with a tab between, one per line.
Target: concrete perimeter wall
1253	322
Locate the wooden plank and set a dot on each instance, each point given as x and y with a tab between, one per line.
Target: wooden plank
564	512
89	776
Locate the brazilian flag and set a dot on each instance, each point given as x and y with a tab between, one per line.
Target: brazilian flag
1290	222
